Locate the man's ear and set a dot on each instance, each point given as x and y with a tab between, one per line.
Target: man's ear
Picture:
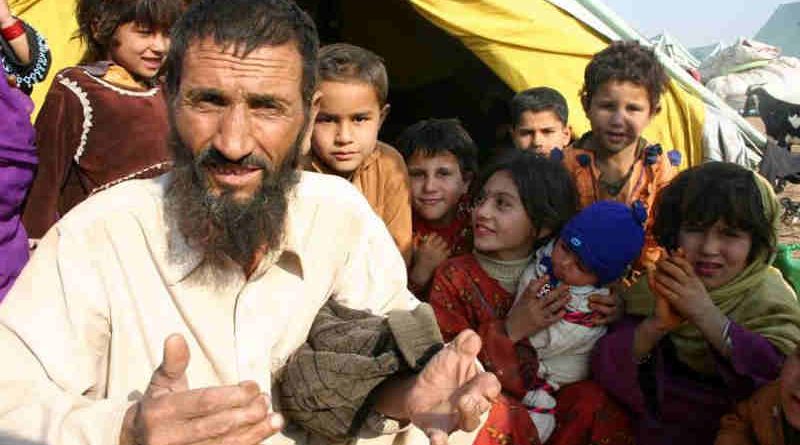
313	110
384	112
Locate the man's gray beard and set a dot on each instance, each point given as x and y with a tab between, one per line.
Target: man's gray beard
221	227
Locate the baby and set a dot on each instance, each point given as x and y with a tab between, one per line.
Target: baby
595	248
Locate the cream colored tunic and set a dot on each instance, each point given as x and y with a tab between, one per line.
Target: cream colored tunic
83	328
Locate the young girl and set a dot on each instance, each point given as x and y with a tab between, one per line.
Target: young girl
442	161
17	165
105	120
621	95
524	199
713	321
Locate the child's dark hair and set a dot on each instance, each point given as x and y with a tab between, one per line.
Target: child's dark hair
716	191
433	137
625	61
99	19
342	62
544	186
537	100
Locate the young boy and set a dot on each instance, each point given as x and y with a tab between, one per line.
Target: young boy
621	92
354	88
539	120
442	161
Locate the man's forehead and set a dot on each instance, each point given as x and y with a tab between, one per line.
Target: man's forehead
282	60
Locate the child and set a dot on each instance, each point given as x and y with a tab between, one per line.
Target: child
713	321
442	160
24	53
105	120
524	200
594	249
354	88
771	416
17	166
539	120
621	91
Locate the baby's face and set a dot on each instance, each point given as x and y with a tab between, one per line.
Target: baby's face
568	267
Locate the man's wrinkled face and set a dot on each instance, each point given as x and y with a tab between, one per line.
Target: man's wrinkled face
239	123
247	112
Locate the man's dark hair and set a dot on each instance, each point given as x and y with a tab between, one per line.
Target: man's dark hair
342	62
717	191
432	137
245	25
537	100
544	186
625	61
99	19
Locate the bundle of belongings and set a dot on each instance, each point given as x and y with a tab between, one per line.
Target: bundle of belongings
734	70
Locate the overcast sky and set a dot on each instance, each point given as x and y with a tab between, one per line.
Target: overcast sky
697	22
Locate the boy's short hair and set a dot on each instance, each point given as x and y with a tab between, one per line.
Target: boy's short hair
625	61
544	185
702	195
343	62
99	19
432	137
537	100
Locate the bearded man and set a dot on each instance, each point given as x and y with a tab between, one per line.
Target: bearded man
161	311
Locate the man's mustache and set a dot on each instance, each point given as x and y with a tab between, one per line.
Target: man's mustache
213	158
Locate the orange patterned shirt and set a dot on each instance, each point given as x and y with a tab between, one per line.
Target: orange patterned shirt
652	170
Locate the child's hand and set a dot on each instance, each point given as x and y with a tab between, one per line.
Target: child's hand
607	308
680	286
429	252
5	12
531	313
667	319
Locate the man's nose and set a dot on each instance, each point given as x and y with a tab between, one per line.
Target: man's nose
233	138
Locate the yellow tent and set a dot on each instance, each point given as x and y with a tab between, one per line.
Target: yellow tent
531	43
455	58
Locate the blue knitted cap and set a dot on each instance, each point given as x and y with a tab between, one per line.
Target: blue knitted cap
607	236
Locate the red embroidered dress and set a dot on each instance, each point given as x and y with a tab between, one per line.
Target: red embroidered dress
464	296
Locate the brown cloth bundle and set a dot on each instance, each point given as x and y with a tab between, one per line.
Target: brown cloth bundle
327	384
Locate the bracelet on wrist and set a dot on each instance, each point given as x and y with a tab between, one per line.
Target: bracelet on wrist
12	31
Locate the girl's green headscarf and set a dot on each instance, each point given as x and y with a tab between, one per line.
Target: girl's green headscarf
757	299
